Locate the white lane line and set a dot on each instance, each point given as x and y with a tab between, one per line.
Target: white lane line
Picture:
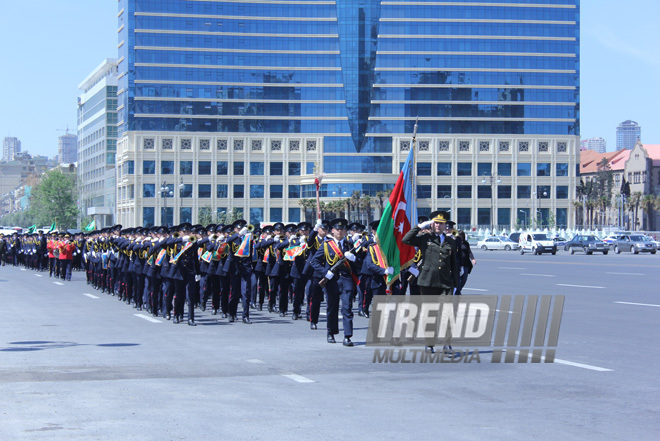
625	274
511	267
147	318
510	312
474	289
256	361
638	304
38	275
91	296
581	286
298	378
574	364
538	275
58	283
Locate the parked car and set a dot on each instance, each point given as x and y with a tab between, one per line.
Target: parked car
497	243
514	237
634	243
559	241
536	243
588	244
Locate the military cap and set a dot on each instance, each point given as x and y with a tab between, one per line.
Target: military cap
339	223
374	225
356	226
278	226
290	228
162	230
199	230
268	229
186	226
239	223
304	226
439	216
219	228
227	229
211	227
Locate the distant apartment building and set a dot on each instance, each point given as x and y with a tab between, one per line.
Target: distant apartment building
10	147
598	145
97	143
67	149
627	134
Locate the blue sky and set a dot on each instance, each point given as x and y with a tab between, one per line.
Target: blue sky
49	47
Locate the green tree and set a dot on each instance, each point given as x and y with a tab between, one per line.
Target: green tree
54	198
204	216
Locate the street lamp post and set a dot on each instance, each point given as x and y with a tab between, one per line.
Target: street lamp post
165	192
525	213
492	179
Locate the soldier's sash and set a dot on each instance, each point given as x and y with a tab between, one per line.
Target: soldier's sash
175	259
161	256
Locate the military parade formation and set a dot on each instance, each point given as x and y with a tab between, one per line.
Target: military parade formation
232	269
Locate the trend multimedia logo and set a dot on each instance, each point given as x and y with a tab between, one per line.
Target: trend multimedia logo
518	328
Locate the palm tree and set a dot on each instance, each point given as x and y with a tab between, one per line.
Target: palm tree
649	202
635	200
309	206
578	215
355	202
382	196
367	204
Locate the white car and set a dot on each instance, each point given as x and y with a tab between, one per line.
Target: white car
497	243
536	243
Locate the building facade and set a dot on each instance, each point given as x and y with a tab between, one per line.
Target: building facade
627	135
10	147
67	149
97	143
598	145
233	105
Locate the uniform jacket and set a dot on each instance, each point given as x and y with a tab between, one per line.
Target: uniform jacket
439	268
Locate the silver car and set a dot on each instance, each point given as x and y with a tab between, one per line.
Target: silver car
633	243
497	243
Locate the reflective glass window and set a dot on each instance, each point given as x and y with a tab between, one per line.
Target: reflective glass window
504	217
275	214
543	191
504	192
294	191
524	191
222	168
484	168
239	191
423	191
294	215
294	168
185	214
204	167
204	191
464	191
423	169
256	168
257	191
256	215
444	168
148	217
524	169
276	168
562	169
484	191
562	192
504	168
166	167
464	216
221	191
444	191
543	169
464	169
148	190
276	191
483	216
148	167
186	191
186	167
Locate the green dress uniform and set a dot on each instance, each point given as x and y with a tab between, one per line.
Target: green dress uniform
439	272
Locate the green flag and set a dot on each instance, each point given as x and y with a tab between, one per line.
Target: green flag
91	226
31	229
53	227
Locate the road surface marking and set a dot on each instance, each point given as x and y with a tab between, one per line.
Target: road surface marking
474	289
91	296
626	274
638	304
147	318
255	361
58	283
539	275
298	378
574	364
511	267
23	269
38	275
510	312
581	286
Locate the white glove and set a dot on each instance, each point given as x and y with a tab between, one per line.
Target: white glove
198	278
329	275
161	239
318	224
75	253
414	271
355	237
185	238
350	256
303	239
94	253
277	237
425	225
243	231
389	270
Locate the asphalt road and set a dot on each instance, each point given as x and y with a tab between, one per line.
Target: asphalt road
76	364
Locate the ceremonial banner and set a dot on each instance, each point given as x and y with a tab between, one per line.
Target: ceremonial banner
244	248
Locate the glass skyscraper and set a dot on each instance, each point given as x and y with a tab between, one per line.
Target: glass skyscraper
627	135
337	86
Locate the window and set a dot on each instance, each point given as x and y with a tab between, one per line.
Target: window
464	169
256	168
204	190
562	192
423	191
275	214
221	191
294	215
423	169
238	168
204	167
504	217
167	216
444	168
464	191
464	216
185	214
522	217
221	214
186	191
294	168
444	191
186	167
129	167
148	217
484	191
524	169
543	192
148	167
562	169
504	192
256	215
310	168
222	168
562	217
543	169
483	216
166	167
257	191
276	168
524	191
148	190
484	168
294	191
504	168
239	191
276	191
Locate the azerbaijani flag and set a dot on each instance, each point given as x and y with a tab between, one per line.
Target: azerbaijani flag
244	248
399	214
